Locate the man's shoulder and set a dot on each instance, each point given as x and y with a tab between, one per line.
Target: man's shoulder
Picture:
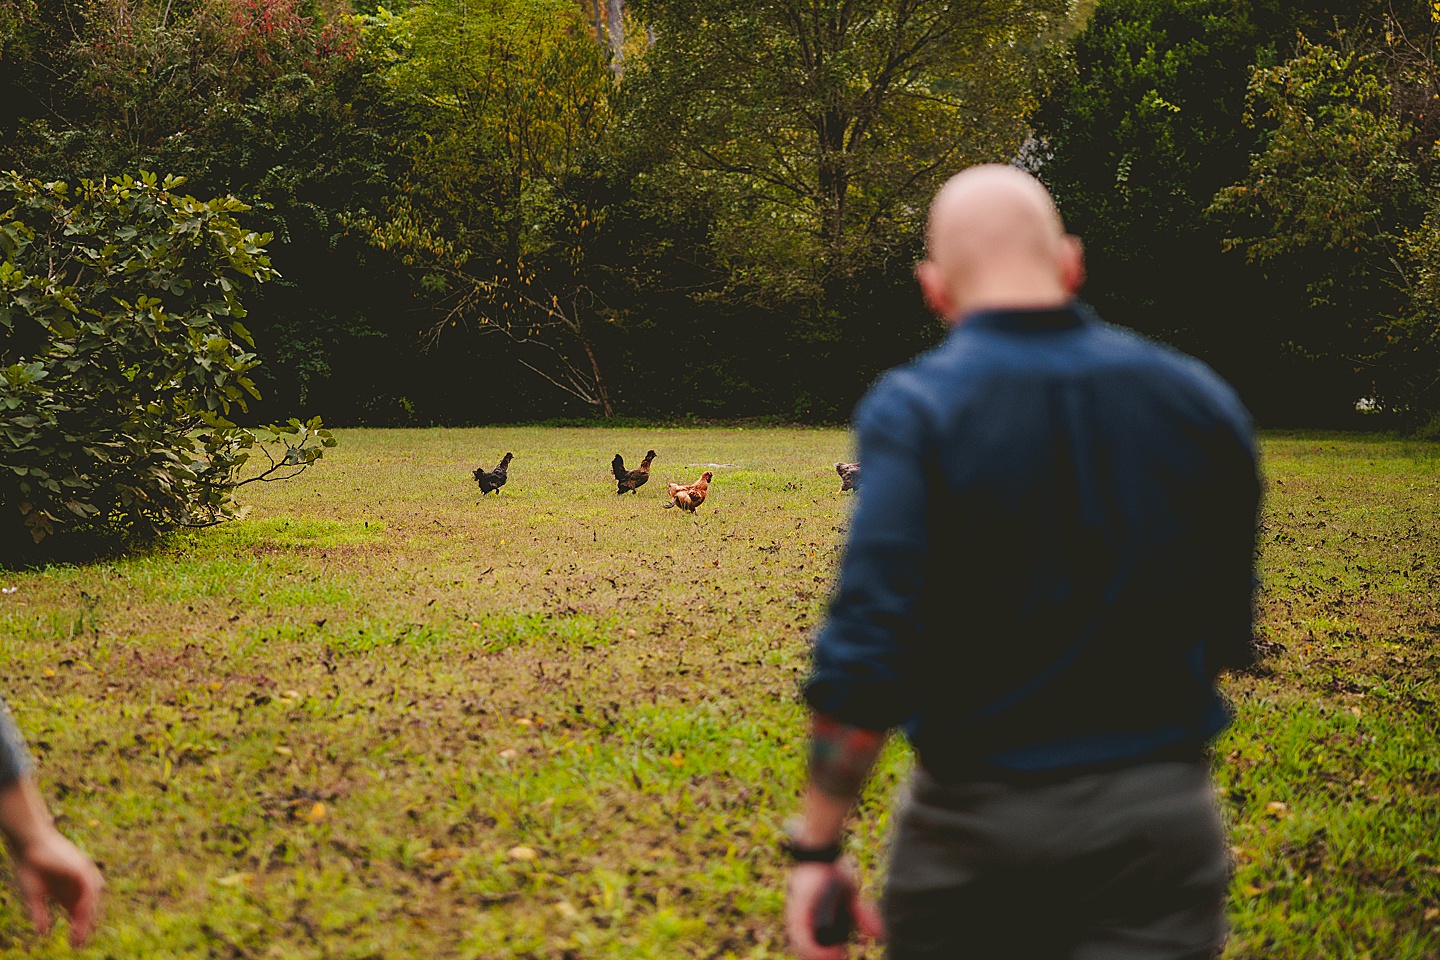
967	366
907	389
1179	372
898	392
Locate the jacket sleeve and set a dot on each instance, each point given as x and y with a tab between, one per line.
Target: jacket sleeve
14	758
862	654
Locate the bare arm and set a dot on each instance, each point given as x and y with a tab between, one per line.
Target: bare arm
47	866
841	757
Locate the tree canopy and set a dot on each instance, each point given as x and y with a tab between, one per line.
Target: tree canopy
520	209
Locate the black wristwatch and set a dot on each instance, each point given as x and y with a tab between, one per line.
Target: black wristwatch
799	853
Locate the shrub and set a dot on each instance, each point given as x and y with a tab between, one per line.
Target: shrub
123	356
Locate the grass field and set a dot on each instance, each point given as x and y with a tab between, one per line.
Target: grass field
382	718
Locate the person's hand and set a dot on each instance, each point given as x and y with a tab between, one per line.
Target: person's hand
50	867
47	866
807	884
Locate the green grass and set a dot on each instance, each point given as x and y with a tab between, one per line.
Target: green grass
383	718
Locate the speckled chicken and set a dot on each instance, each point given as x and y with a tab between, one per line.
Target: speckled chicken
494	479
849	476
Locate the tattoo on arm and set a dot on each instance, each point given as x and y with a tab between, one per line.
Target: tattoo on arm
841	757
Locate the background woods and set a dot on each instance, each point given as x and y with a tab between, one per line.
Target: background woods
493	210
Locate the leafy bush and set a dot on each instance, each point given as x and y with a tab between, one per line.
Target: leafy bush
123	355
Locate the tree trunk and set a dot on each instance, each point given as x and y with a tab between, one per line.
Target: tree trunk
615	18
602	394
833	180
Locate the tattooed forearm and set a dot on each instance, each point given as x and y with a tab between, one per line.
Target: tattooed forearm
841	757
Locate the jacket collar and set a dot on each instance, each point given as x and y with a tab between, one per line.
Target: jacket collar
1069	317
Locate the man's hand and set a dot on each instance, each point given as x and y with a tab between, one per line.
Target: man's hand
47	866
840	760
808	882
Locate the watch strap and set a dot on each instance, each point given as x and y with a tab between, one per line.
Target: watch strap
803	854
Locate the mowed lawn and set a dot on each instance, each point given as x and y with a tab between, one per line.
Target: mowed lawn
381	717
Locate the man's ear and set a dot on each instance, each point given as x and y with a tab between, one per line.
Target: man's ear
1072	264
932	288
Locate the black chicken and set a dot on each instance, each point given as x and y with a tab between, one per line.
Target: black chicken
496	478
628	481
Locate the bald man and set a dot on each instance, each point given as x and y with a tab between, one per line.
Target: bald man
1050	563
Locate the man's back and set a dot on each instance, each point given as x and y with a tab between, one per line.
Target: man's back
1085	501
1050	562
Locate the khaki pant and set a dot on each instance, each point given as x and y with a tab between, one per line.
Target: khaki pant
1124	865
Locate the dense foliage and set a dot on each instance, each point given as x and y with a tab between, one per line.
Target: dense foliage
270	101
1250	178
496	217
124	353
518	209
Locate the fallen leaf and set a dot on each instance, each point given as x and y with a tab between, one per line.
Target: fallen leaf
292	694
525	721
677	759
48	672
1277	809
1433	913
317	813
521	853
234	880
509	754
284	751
566	909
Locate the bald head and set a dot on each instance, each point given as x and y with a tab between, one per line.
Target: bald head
996	241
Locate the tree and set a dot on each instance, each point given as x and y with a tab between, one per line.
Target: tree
1341	200
826	126
124	353
516	96
1135	141
1139	136
268	100
1331	195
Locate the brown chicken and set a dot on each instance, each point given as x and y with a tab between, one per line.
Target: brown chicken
688	496
849	476
628	481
